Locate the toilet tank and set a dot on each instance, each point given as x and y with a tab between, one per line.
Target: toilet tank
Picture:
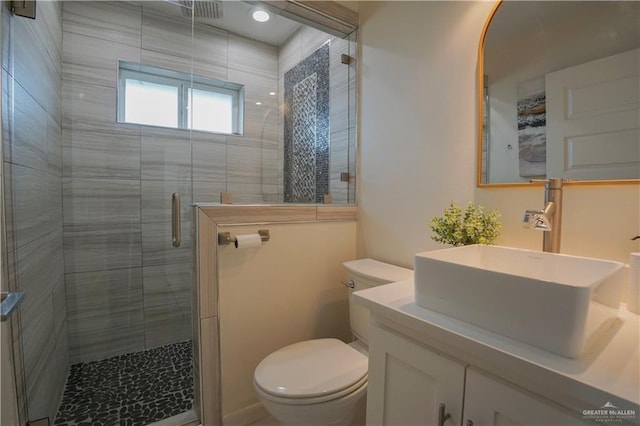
366	273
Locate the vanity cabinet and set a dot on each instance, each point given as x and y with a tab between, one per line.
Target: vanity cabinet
489	401
408	383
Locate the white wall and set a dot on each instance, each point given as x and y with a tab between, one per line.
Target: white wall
279	294
418	141
417	120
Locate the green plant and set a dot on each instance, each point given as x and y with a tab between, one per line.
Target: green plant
471	226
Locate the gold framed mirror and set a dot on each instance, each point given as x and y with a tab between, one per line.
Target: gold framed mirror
559	93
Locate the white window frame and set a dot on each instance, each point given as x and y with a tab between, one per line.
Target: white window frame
184	82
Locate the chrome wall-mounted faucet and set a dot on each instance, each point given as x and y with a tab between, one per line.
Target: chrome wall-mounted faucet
548	219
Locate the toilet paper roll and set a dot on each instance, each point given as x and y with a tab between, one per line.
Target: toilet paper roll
633	289
248	241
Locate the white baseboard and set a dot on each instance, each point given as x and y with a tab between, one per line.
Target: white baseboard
246	416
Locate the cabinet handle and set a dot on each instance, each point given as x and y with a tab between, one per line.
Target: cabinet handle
443	416
469	423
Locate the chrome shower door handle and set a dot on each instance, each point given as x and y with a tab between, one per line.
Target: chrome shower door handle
175	220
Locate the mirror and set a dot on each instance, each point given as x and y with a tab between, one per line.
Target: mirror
559	92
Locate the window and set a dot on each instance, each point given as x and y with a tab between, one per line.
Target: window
158	97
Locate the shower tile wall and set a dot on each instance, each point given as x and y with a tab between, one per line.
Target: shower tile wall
342	148
31	67
127	287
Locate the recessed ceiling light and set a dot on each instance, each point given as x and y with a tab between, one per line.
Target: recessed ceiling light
260	15
272	93
258	103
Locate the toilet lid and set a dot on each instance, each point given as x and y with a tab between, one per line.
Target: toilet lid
311	368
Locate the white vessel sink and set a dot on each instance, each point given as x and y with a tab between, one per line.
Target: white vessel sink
557	302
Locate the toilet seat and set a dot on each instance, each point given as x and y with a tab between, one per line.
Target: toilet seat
311	372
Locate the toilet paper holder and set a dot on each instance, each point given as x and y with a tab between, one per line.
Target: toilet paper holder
226	238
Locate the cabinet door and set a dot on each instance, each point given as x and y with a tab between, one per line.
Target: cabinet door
490	401
407	382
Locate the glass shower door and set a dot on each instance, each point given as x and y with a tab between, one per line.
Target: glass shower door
89	213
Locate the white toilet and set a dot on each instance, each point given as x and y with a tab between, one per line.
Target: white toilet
324	381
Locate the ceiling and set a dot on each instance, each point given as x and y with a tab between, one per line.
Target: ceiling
236	18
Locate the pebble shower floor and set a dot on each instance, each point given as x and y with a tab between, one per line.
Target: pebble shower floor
129	390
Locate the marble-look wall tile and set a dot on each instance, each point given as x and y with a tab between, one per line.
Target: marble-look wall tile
339	46
177	63
105	313
37	268
156	200
260	121
168	285
7	107
208	192
91	107
165	158
101	224
37	338
93	60
352	165
53	29
244	164
102	247
151	132
338	154
251	193
290	53
26	140
338	163
40	364
271	174
164	325
101	201
171	35
62	357
59	297
35	60
114	21
339	98
100	155
312	39
253	57
54	146
209	161
157	248
27	190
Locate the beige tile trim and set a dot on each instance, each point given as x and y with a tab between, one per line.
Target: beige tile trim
206	342
230	214
337	213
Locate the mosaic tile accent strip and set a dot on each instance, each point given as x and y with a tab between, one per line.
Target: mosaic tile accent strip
306	123
304	139
133	389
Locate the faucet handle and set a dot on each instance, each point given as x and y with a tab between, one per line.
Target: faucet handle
528	219
536	219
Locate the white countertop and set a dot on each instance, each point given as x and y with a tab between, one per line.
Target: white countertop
608	372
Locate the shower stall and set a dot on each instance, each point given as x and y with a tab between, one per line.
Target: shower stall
108	109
